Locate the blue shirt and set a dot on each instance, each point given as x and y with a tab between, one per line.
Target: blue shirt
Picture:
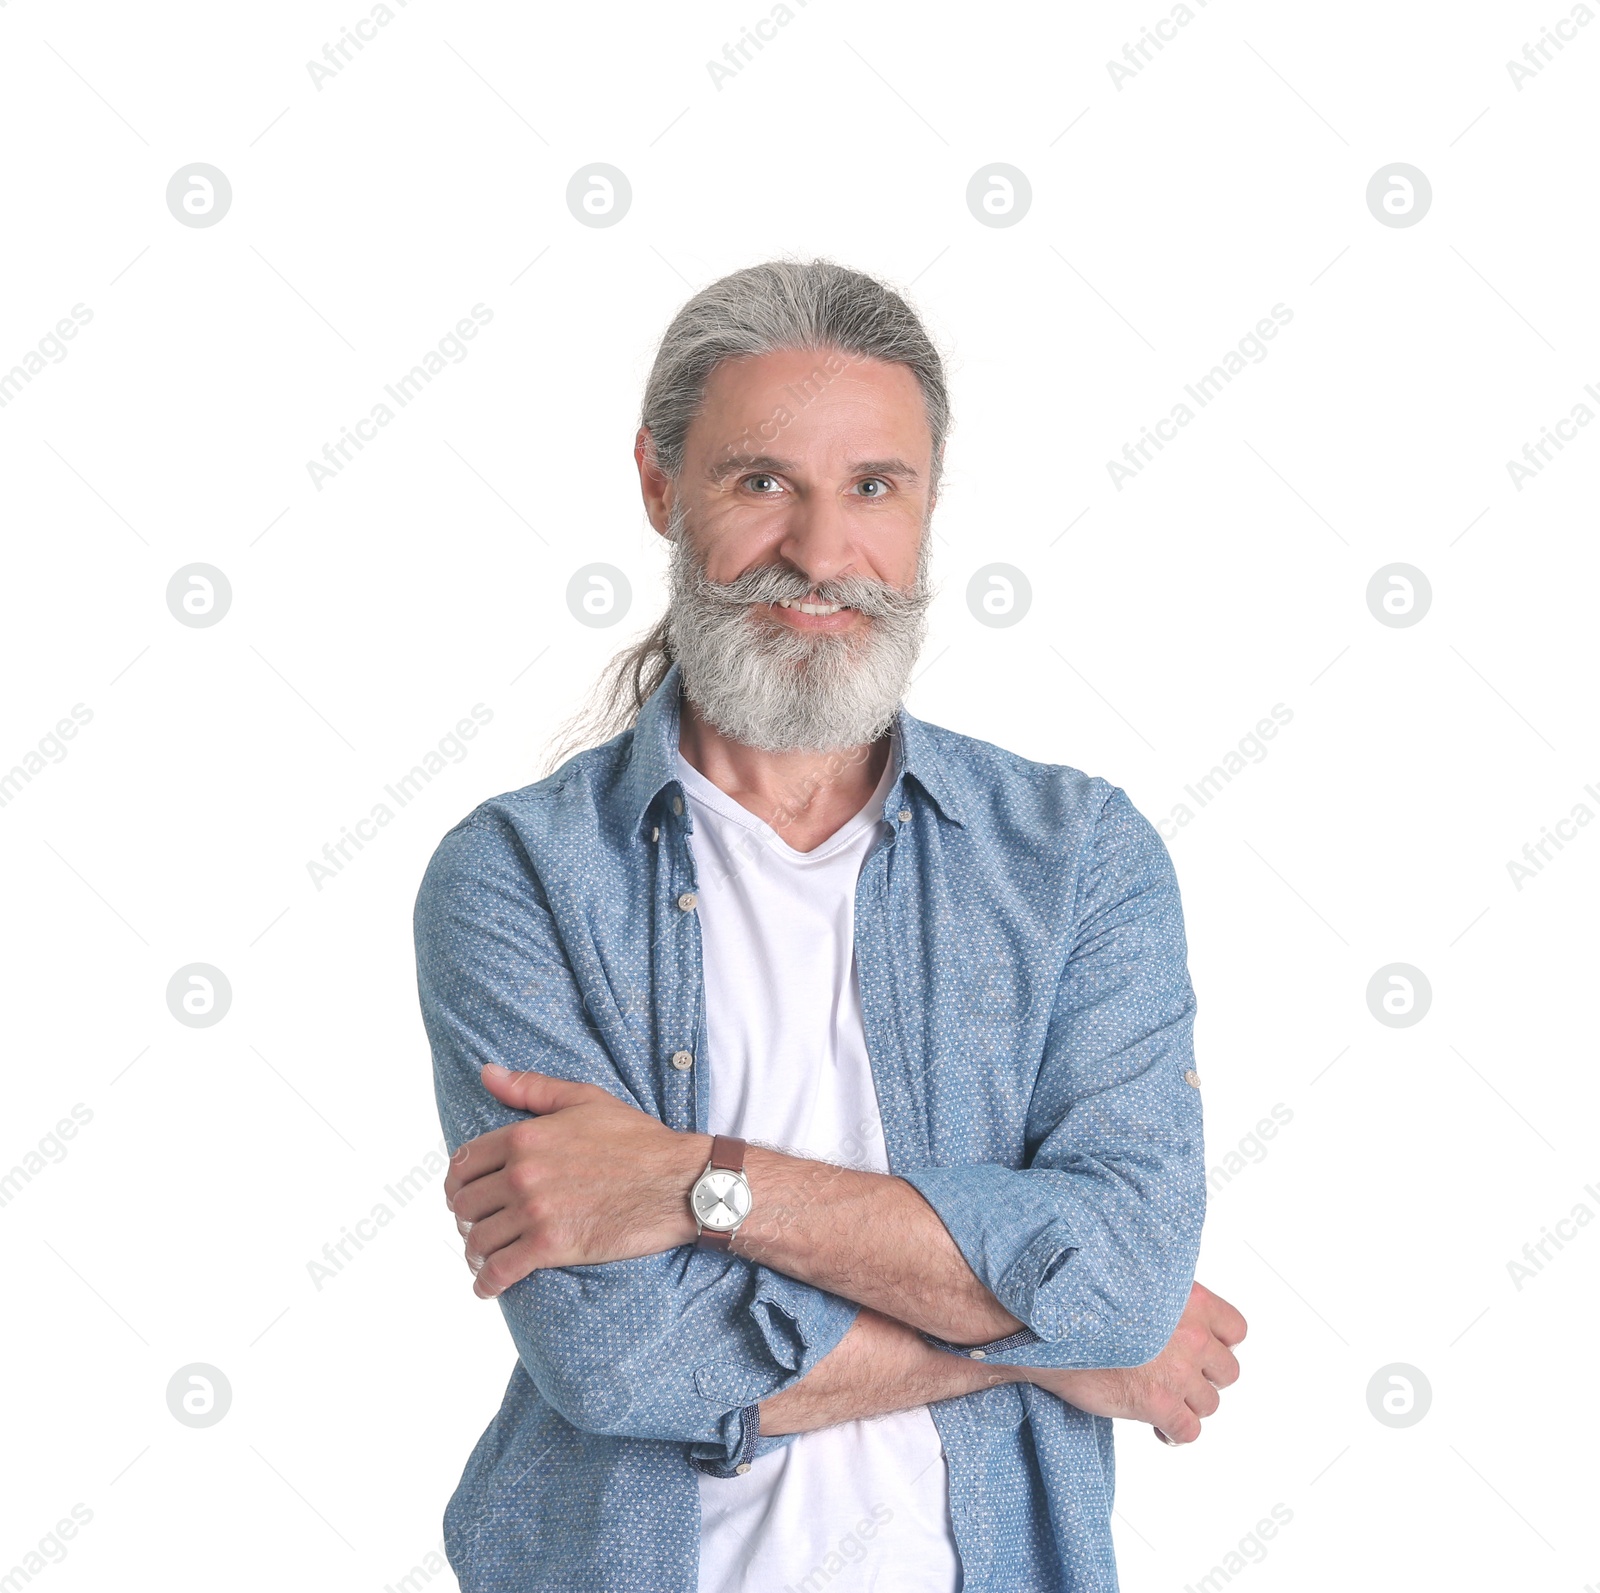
1029	1021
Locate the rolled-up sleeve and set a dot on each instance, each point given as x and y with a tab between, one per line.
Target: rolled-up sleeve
1092	1246
682	1345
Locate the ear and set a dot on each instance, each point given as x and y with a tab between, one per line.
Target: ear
654	485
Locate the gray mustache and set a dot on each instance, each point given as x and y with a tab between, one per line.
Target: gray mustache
776	583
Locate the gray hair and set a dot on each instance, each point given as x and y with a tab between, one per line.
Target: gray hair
763	309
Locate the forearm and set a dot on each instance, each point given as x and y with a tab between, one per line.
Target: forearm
870	1238
879	1366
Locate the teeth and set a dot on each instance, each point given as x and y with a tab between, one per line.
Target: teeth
810	608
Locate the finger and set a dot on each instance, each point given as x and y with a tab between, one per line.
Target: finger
1224	1321
1220	1365
535	1092
488	1153
490	1236
482	1197
506	1266
1201	1397
1180	1424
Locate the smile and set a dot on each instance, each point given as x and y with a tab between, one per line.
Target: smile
810	608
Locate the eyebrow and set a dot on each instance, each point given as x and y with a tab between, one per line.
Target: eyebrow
736	463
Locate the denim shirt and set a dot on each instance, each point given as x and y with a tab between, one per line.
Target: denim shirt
1029	1023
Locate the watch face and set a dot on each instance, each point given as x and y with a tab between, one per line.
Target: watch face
721	1200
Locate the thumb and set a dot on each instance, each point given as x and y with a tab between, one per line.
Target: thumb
532	1092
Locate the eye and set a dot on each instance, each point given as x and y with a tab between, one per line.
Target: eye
879	487
763	485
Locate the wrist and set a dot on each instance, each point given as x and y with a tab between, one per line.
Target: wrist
682	1163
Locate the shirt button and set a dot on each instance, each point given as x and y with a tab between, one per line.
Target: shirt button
677	804
905	815
682	1060
978	1355
655	832
742	1469
687	901
1191	1077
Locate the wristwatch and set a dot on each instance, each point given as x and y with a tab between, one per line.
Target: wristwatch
721	1198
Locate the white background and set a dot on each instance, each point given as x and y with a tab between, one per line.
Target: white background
1168	216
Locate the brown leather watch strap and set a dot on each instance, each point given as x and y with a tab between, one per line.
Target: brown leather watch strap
727	1154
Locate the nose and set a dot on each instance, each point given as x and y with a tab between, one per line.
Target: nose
817	539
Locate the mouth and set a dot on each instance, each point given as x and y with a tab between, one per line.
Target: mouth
806	614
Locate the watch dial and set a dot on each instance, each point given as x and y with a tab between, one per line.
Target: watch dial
721	1199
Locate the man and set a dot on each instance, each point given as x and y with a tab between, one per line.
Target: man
849	1177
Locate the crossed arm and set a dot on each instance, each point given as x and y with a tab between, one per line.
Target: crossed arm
1069	1272
528	1197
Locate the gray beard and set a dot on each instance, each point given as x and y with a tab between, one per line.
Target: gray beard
781	690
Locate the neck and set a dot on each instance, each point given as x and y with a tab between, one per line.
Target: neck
804	796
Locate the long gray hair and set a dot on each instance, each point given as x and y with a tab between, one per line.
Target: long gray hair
763	309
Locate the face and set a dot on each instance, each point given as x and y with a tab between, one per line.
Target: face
799	529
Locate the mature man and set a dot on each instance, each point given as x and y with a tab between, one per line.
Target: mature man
821	1080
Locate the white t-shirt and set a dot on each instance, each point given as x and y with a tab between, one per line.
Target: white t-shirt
866	1504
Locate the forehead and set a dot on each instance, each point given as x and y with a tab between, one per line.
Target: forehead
819	404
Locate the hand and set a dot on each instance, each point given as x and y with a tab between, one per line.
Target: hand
588	1179
1178	1387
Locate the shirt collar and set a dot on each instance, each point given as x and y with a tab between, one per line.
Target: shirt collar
652	764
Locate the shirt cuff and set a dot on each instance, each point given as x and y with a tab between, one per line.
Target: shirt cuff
734	1458
981	1352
